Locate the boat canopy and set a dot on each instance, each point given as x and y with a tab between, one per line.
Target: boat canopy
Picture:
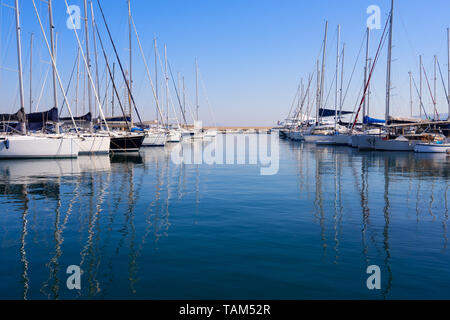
119	119
331	112
19	116
35	121
87	117
368	120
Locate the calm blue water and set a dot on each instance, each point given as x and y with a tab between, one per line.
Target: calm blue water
142	227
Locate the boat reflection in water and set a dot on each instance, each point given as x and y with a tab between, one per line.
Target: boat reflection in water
141	226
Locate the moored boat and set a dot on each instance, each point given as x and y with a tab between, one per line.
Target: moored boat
38	146
157	138
174	136
432	148
125	143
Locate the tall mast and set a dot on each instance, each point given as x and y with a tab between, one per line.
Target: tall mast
308	102
31	72
78	82
322	79
19	61
184	96
318	95
196	87
342	80
410	93
95	49
337	76
435	87
366	72
368	89
131	57
389	65
448	77
156	79
113	96
179	88
167	85
88	57
420	89
52	44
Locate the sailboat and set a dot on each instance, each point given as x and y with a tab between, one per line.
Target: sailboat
198	133
326	132
432	147
20	143
155	138
89	142
392	139
129	141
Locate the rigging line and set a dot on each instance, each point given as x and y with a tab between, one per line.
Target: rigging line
433	99
42	89
420	97
329	91
112	77
356	103
176	90
303	99
380	46
189	104
169	101
442	79
305	96
61	87
354	68
119	61
206	96
413	51
70	81
107	88
155	96
293	102
89	74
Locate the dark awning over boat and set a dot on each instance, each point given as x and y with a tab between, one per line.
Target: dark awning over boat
18	116
331	113
87	117
119	119
43	117
37	117
35	121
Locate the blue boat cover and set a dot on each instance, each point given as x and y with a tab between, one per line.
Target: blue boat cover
368	120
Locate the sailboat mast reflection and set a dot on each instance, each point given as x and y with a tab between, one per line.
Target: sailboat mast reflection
320	214
23	253
387	218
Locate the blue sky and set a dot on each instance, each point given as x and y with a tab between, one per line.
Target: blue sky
251	53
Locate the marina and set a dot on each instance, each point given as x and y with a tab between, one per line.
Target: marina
121	168
144	228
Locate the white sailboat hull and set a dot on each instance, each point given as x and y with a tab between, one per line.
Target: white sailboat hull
94	144
211	134
37	147
198	135
340	139
174	136
353	141
394	145
432	148
318	138
365	141
155	139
